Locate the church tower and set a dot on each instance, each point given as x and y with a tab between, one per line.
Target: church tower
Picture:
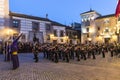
4	13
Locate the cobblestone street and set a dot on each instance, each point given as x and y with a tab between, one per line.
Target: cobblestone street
100	69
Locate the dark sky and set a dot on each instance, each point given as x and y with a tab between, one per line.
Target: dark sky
63	11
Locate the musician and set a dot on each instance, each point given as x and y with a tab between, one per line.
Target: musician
36	50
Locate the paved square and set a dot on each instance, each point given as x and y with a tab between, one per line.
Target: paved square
99	69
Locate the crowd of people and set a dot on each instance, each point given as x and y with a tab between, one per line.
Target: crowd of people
64	52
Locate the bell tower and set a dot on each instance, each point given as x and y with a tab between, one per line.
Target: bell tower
4	13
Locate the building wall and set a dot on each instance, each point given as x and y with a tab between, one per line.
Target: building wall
26	24
88	27
26	27
4	13
106	23
58	38
102	29
73	37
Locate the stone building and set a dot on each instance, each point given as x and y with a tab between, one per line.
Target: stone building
88	27
106	29
98	28
73	36
44	29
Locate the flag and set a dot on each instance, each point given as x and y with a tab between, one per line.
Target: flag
117	9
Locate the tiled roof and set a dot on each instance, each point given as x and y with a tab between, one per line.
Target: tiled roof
36	18
70	28
89	12
28	16
110	15
57	24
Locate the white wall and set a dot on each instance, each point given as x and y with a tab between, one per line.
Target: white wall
26	26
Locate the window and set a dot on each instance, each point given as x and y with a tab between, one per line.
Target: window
87	29
106	30
16	23
67	33
61	33
61	40
48	37
106	21
48	26
87	23
35	26
74	33
118	18
55	32
98	28
87	35
70	34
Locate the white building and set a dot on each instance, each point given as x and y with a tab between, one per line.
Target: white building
4	13
88	27
46	30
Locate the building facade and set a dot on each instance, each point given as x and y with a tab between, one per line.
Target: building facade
97	28
88	26
107	30
47	31
4	13
44	29
73	36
